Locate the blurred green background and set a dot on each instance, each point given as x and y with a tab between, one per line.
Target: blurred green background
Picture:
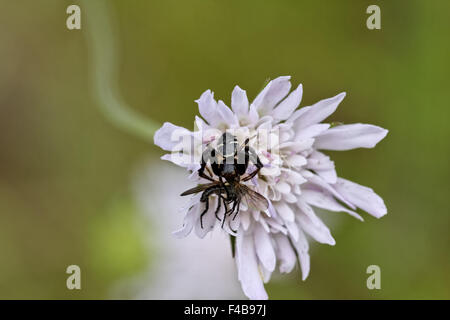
65	171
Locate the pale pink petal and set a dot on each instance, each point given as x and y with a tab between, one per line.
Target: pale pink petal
273	93
264	248
266	274
318	181
271	210
319	111
323	166
180	159
276	226
285	252
296	160
298	146
329	175
316	229
283	187
239	102
170	137
362	197
307	210
289	197
311	131
207	107
302	247
227	115
189	222
264	125
294	177
249	276
265	225
284	211
324	200
297	114
201	124
253	115
245	220
350	136
293	229
286	107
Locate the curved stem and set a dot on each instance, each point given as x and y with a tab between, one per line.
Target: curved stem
103	62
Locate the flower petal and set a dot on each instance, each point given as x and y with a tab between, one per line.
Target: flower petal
293	229
189	221
227	115
180	159
293	177
323	166
362	197
170	137
273	93
319	111
297	114
249	276
318	181
253	115
284	211
264	248
276	226
283	187
296	161
311	131
286	253
239	102
284	110
289	197
324	200
302	247
245	220
307	210
207	107
298	146
266	274
350	136
316	228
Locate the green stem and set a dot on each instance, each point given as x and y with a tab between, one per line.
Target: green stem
102	53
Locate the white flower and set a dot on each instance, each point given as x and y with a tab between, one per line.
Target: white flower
296	176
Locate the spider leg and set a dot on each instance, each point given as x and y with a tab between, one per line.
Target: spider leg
205	198
234	207
237	210
238	202
204	211
251	175
207	155
225	213
253	157
220	198
229	226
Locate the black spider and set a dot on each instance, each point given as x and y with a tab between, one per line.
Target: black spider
229	162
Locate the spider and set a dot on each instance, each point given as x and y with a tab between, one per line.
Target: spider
229	162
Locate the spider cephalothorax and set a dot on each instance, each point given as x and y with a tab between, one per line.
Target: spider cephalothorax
229	162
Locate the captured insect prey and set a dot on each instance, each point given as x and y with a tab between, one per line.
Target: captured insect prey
229	163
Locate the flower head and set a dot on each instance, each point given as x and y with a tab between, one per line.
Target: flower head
295	178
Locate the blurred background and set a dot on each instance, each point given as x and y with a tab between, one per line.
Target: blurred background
75	188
